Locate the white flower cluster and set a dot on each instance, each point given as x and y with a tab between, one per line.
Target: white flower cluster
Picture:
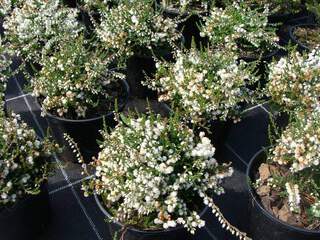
294	82
37	27
73	80
293	197
299	144
204	84
135	27
5	71
185	5
5	7
240	29
156	168
298	151
23	163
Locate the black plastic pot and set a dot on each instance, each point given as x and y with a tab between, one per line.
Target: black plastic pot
300	46
138	67
84	132
303	16
131	233
27	218
219	131
263	225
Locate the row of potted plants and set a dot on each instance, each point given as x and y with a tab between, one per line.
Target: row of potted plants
155	173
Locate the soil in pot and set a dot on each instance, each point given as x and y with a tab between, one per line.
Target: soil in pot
85	132
27	218
270	217
307	37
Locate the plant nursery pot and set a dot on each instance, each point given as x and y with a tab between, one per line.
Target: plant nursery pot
263	225
300	46
219	131
138	67
84	132
131	233
27	218
302	16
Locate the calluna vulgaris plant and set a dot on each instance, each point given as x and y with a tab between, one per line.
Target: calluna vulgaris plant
186	5
75	80
204	85
240	29
294	81
23	160
135	27
151	172
36	28
5	72
296	156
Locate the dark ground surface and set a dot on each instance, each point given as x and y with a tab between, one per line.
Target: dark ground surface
79	218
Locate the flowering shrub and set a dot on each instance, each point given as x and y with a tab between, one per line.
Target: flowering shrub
23	163
185	5
74	81
296	160
134	27
7	5
37	27
240	29
294	82
5	72
277	6
204	84
151	171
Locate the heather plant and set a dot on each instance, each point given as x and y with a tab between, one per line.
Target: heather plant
240	29
156	173
135	27
204	84
75	82
294	171
294	81
6	6
24	164
36	28
186	5
5	71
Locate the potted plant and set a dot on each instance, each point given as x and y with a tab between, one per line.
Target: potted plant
78	93
35	29
207	87
135	32
294	81
243	30
285	197
306	35
5	72
154	178
24	167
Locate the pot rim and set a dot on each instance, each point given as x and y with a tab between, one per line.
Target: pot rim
304	25
265	212
121	106
107	214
